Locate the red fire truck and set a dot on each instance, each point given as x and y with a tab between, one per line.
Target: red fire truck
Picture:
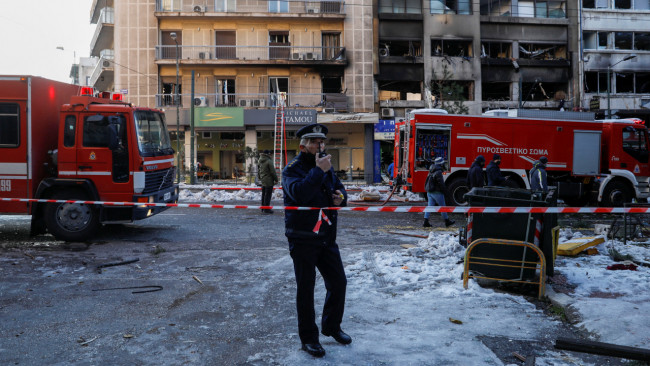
590	162
65	142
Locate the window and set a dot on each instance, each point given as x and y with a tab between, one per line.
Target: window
278	6
332	84
594	40
169	92
400	6
624	82
9	125
232	135
225	90
276	86
331	45
278	40
495	91
400	48
642	41
453	89
595	82
225	42
623	40
623	4
642	82
634	143
168	48
496	49
542	51
540	91
69	131
454	48
594	4
525	8
153	137
224	5
451	6
602	40
95	131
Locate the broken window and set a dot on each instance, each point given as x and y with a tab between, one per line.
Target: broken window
622	4
594	4
397	89
225	89
450	6
594	40
496	7
624	82
642	41
168	96
454	48
602	40
400	48
542	51
623	40
496	49
495	91
453	89
540	91
642	82
400	6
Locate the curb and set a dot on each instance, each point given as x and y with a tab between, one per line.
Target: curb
565	302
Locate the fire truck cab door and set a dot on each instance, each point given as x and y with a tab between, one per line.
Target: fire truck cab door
103	155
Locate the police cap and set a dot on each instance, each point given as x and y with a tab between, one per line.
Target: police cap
313	131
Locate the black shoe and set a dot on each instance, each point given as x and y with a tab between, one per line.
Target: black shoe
339	336
269	211
314	349
448	222
426	223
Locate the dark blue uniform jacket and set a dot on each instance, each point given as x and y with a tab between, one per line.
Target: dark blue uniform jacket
304	184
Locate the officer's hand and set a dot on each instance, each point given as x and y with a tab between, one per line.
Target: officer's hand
337	197
324	163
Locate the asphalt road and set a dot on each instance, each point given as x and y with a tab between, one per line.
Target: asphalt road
227	293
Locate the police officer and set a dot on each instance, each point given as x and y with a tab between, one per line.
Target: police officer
538	175
309	180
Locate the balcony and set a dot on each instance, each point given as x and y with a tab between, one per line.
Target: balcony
252	55
103	74
327	102
96	7
527	9
262	7
103	37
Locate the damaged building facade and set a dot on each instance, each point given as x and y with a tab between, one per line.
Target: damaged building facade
495	53
616	45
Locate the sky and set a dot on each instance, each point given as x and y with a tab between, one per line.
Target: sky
36	28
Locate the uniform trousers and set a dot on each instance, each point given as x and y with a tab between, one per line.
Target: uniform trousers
327	258
267	191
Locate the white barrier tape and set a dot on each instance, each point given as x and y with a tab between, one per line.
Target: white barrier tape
417	209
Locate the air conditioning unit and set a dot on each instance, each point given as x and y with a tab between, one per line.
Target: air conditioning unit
387	112
329	110
309	56
204	55
201	101
312	10
296	56
383	52
258	102
199	9
243	103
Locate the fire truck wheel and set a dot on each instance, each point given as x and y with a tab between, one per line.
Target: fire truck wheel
457	189
71	221
616	194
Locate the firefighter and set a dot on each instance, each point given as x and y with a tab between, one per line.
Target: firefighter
494	177
475	174
436	190
538	175
309	180
267	177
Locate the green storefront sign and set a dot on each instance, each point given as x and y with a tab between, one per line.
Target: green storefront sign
218	117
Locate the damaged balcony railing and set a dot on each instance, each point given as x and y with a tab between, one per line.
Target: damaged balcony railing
251	53
259	6
248	100
527	9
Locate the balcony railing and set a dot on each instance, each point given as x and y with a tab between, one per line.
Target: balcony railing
251	53
104	27
259	6
528	9
105	62
259	100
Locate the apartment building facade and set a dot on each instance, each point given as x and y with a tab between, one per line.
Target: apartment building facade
237	62
615	37
497	53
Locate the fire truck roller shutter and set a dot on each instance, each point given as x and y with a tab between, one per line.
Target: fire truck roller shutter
71	221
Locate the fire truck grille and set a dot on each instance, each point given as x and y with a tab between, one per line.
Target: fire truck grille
157	180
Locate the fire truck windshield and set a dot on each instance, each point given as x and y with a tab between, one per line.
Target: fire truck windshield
153	138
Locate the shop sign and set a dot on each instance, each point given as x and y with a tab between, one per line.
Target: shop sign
218	117
294	117
385	129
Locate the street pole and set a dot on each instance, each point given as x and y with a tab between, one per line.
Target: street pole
178	116
192	170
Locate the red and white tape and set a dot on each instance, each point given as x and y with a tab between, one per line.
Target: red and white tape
417	209
260	188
